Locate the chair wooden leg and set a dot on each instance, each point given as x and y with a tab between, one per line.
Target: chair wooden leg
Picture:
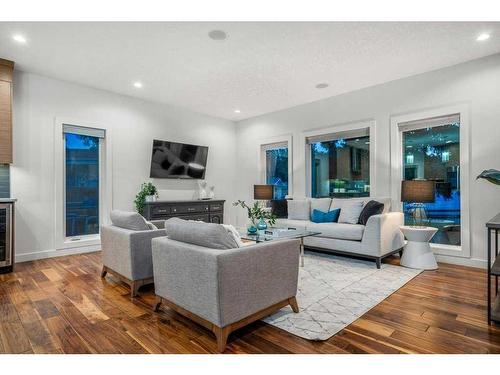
293	303
134	287
157	304
104	271
221	334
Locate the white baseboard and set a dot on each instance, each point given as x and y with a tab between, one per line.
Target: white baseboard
469	262
26	257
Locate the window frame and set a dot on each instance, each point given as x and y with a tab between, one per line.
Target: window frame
341	128
265	144
397	128
105	185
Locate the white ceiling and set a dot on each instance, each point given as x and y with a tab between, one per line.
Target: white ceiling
259	68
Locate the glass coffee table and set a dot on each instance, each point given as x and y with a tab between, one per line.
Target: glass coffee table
275	234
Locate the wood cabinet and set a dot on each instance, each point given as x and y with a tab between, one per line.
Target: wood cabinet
210	211
6	73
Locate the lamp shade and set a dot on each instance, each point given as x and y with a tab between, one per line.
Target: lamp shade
418	191
264	192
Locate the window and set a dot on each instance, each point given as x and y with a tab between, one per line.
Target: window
82	180
340	164
434	146
275	157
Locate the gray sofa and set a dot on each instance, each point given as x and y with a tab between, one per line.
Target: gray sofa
126	248
220	287
379	238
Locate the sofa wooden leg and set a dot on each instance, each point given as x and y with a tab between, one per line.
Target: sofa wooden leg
157	304
221	334
293	303
378	261
104	271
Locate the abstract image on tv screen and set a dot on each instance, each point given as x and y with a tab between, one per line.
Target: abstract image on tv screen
178	160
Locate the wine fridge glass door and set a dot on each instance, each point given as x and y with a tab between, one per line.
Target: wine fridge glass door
5	235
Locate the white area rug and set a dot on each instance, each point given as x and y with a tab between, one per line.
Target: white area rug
335	291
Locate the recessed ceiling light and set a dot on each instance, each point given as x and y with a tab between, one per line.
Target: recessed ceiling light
137	85
237	111
19	38
482	37
217	35
322	85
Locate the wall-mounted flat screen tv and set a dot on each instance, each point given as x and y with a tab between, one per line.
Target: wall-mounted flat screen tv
178	160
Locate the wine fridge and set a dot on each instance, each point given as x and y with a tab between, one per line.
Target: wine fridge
6	237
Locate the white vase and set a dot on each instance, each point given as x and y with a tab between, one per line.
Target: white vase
202	191
211	195
150	198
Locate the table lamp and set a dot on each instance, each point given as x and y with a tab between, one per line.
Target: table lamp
263	193
418	192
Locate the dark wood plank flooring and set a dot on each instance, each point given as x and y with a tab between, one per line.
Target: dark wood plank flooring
61	305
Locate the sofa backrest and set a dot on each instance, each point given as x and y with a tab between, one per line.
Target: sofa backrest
298	207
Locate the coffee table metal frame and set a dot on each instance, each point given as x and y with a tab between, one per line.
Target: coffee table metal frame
286	233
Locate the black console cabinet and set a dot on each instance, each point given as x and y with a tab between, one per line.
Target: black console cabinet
210	211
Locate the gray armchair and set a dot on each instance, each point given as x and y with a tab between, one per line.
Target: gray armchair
224	290
126	249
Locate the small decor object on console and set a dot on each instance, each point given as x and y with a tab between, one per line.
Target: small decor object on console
202	190
147	190
255	213
211	195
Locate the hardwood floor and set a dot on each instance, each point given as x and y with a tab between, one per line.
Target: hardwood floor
61	305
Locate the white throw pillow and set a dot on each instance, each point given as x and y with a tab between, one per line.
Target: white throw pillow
299	209
234	233
321	204
350	211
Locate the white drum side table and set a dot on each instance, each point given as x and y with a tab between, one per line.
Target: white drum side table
417	252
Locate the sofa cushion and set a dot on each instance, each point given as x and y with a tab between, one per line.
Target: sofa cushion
128	220
325	217
288	223
213	236
339	202
370	209
350	211
341	231
320	204
299	209
234	233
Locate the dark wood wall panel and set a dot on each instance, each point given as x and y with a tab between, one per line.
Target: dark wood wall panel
6	75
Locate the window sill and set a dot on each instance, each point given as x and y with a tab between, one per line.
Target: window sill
73	242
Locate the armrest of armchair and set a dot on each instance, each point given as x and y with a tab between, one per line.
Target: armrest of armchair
140	252
128	252
382	234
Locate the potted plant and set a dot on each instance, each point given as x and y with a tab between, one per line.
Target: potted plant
257	215
148	193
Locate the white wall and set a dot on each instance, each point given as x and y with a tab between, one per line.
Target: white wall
476	83
135	123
